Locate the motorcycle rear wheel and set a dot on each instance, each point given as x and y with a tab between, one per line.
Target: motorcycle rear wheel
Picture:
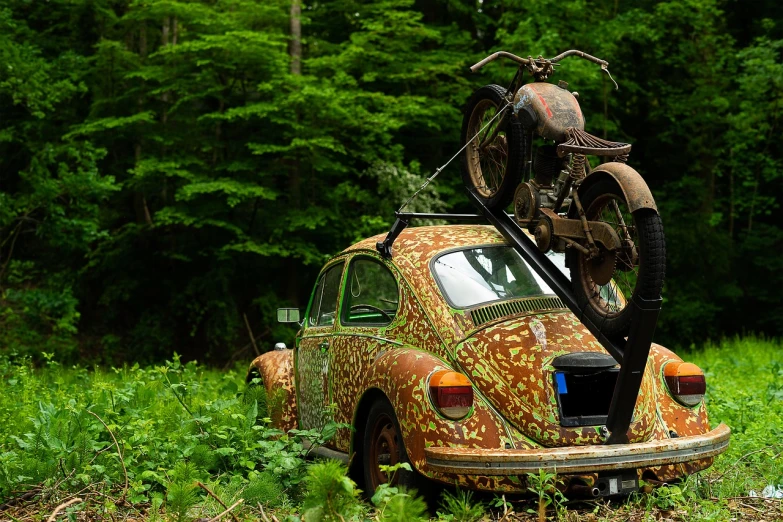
491	169
639	266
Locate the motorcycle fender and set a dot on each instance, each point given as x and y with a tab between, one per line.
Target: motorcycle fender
636	191
276	370
402	376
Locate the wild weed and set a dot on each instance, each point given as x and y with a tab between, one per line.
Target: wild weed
460	506
331	496
544	485
397	504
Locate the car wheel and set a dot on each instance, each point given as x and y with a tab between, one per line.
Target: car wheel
383	445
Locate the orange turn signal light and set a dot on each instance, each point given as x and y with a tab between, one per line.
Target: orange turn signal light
452	393
686	382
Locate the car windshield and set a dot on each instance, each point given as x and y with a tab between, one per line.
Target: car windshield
478	275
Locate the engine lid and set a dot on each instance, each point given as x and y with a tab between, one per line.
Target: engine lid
512	363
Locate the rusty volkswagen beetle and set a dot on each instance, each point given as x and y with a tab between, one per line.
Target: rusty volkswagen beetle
455	357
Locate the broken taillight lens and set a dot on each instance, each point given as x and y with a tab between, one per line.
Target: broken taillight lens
451	393
685	381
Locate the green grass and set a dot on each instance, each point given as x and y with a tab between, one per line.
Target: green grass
745	391
63	430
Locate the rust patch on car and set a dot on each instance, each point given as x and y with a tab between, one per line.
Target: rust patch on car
276	369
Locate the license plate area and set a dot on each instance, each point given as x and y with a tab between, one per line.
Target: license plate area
583	398
623	482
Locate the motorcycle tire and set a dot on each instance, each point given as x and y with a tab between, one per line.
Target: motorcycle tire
639	266
492	172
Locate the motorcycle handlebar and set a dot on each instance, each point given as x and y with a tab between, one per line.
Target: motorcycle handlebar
574	52
495	56
527	61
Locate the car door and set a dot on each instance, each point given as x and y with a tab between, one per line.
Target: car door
312	356
370	302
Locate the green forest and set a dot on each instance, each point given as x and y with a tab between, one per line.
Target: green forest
171	172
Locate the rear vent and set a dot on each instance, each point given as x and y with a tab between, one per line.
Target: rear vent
494	311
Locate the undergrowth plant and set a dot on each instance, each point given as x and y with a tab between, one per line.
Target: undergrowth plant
544	485
460	506
397	504
148	435
180	442
332	496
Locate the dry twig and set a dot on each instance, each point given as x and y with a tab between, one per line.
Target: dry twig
211	494
757	510
119	454
263	515
227	511
506	512
252	337
748	498
21	498
61	507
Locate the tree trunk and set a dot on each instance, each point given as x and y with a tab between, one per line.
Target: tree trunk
295	45
139	200
294	180
731	197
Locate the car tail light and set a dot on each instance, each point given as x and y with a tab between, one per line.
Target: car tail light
685	381
451	393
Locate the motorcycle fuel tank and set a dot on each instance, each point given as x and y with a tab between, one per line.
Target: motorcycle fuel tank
549	109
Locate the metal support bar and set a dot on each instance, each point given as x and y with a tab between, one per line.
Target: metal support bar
553	277
404	218
632	357
631	354
385	247
637	350
453	217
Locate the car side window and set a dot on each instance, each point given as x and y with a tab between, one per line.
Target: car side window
324	307
371	295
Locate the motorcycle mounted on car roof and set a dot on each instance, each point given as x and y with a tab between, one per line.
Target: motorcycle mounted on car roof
526	143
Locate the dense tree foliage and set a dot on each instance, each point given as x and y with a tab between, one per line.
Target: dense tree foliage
169	167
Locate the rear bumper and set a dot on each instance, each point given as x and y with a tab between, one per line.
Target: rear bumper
580	459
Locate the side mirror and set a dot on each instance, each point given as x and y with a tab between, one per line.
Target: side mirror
287	315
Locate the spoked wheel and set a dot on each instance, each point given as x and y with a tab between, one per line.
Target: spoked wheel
604	285
383	445
492	161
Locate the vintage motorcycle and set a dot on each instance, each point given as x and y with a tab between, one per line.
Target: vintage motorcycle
527	144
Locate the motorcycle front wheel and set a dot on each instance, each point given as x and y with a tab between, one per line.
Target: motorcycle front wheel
605	285
492	161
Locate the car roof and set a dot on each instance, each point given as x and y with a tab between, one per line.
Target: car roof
417	244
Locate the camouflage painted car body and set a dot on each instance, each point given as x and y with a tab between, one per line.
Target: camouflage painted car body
336	372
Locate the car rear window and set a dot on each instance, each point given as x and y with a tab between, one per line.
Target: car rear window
480	275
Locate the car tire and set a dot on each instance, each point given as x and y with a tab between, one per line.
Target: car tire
383	444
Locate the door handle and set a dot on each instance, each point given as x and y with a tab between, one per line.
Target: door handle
324	346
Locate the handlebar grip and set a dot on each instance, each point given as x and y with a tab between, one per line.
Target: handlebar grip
495	56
